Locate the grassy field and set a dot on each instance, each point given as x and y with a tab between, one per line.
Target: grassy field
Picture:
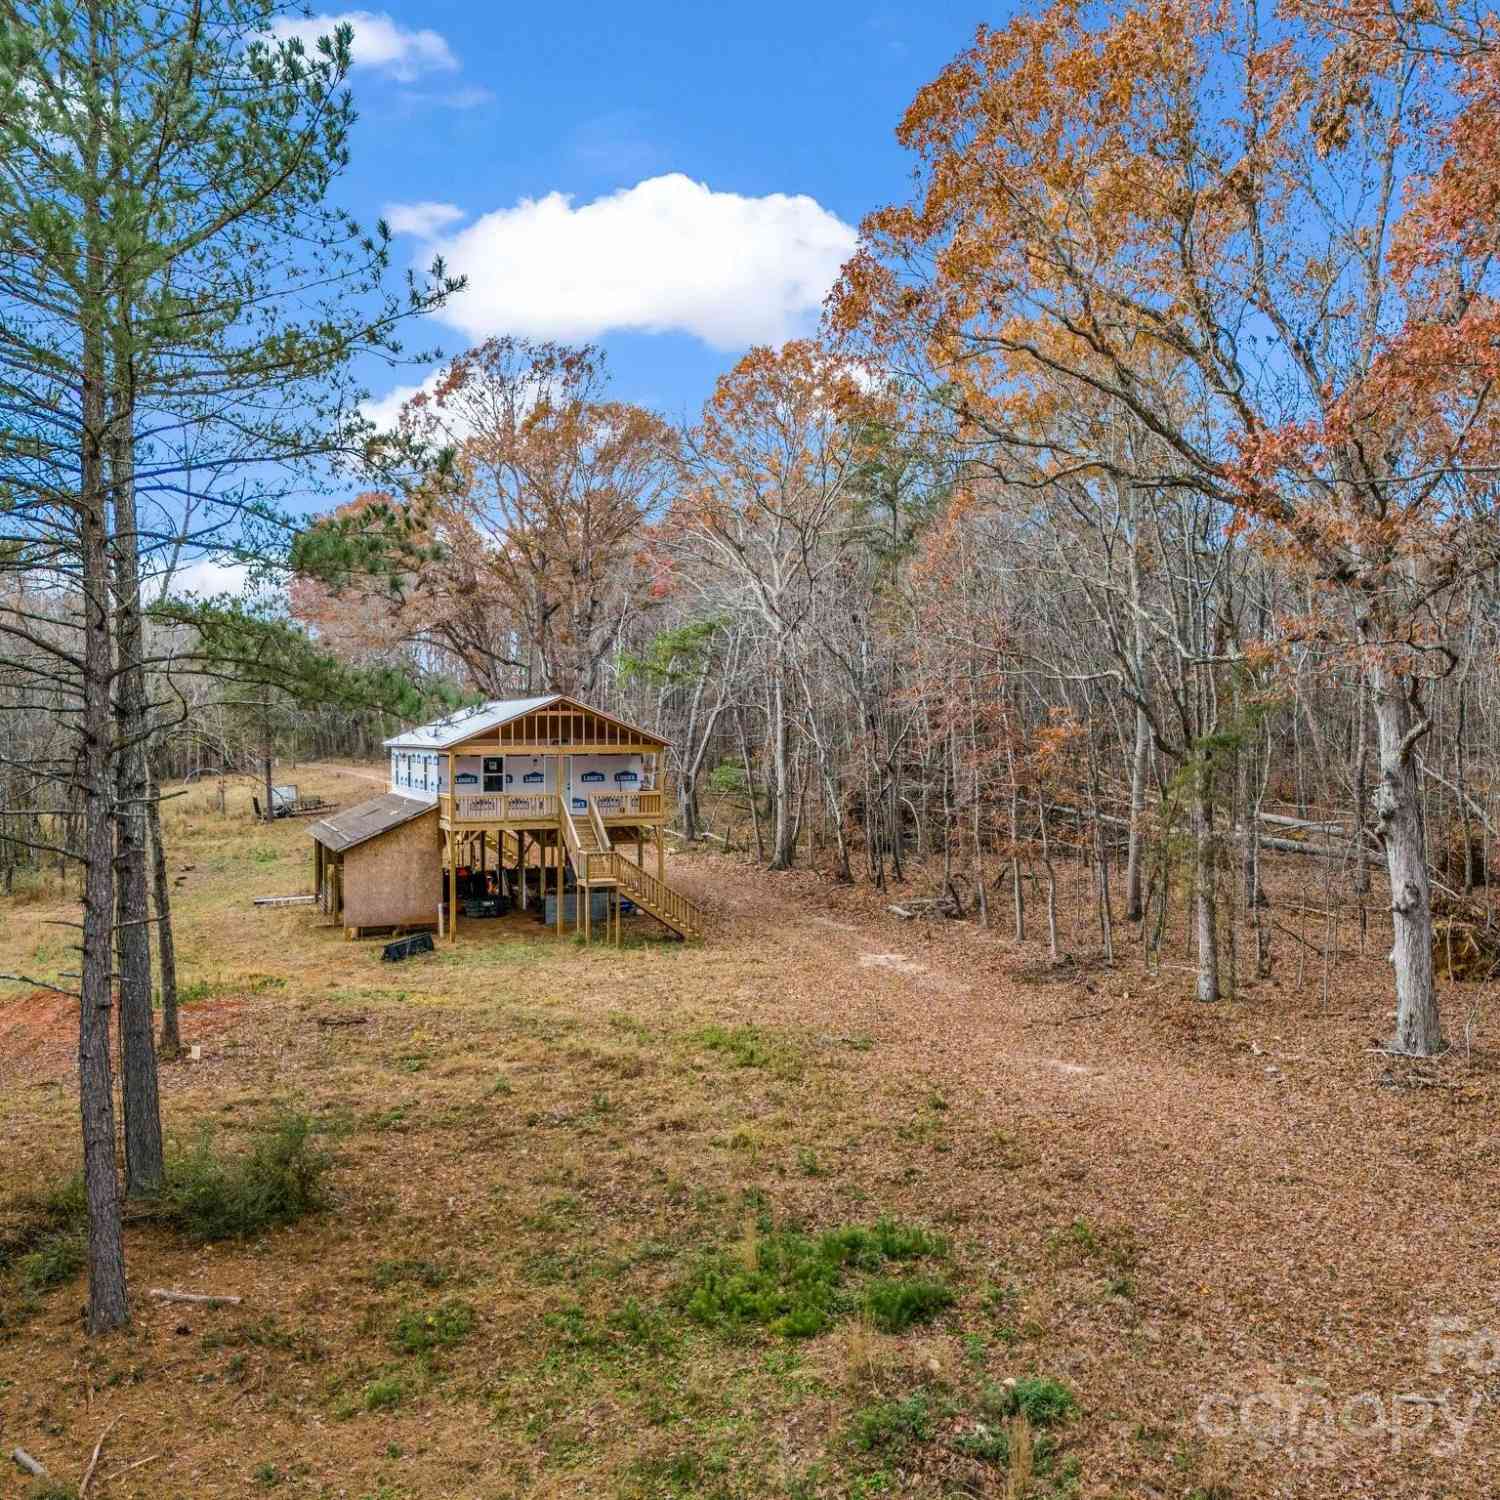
818	1208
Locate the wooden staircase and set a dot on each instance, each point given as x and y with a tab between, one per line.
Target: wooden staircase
654	897
658	899
592	843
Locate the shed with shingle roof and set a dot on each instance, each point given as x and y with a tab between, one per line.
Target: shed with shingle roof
379	864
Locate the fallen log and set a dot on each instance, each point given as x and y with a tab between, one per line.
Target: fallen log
906	910
165	1294
23	1460
1317	851
1282	820
342	1020
1240	835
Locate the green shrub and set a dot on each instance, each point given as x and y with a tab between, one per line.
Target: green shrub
1044	1402
990	1445
278	1181
889	1427
728	779
385	1394
794	1284
42	1218
750	1048
895	1305
445	1325
56	1260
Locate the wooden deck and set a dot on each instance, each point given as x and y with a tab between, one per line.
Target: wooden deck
543	810
543	825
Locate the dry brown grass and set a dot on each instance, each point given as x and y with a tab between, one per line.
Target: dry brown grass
554	1137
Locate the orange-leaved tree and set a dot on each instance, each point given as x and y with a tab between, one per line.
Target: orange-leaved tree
1267	238
541	510
765	508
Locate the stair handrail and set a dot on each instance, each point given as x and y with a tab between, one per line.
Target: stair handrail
584	860
596	821
683	912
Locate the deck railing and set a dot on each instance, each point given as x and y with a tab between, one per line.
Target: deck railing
628	804
532	807
499	807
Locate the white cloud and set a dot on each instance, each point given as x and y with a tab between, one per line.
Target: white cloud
384	410
668	255
379	43
208	576
421	219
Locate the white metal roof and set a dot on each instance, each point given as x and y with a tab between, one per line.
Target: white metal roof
467	722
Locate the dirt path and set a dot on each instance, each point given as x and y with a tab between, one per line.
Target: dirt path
360	773
1298	1216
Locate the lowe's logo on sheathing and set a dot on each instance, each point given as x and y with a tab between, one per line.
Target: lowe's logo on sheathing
467	778
531	778
626	778
592	776
580	804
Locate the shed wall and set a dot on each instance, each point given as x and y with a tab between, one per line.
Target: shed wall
393	879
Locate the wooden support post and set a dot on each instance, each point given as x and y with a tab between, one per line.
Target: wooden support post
661	856
558	861
452	885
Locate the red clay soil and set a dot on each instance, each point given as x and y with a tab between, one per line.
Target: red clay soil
39	1034
1315	1221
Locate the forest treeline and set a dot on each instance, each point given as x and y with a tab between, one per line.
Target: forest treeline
1139	492
1133	505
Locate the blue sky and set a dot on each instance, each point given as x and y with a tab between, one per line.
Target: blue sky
712	161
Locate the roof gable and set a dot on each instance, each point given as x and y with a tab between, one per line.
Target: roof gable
467	723
485	718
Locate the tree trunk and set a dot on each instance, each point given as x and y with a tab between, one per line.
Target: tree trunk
1140	760
1041	810
166	949
1205	904
108	1305
784	827
140	1099
687	803
760	848
1398	819
266	759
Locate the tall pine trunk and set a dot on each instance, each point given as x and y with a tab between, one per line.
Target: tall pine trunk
108	1304
166	949
140	1098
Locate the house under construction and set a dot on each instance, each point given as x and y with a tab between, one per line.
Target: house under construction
541	804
